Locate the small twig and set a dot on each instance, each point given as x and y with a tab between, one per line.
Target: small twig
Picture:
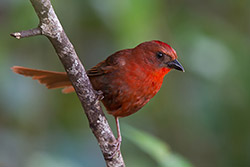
27	33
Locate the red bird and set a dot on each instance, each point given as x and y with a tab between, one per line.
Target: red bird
128	78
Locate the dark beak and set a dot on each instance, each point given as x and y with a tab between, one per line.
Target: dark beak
175	65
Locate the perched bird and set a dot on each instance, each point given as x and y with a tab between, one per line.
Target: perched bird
128	78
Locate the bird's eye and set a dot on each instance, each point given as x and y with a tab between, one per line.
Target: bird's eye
159	55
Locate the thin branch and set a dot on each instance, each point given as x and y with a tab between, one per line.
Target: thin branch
52	29
27	33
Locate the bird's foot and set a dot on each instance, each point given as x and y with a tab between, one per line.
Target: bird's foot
117	145
99	94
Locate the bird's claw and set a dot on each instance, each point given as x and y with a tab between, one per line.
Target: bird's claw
99	94
118	142
117	145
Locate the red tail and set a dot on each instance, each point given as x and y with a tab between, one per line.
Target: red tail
50	79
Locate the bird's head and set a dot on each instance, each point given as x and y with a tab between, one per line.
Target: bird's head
159	55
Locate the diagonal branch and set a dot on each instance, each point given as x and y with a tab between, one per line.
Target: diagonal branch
50	27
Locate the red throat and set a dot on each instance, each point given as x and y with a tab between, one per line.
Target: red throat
160	74
164	71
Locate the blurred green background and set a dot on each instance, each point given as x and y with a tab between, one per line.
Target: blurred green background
199	118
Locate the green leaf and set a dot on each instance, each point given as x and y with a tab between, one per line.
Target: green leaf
155	147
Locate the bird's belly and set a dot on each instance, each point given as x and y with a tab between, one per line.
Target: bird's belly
124	98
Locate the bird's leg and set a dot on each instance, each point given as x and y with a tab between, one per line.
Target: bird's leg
119	137
118	141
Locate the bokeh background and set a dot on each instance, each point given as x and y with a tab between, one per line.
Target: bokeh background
199	118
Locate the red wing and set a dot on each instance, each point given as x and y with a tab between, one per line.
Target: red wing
106	66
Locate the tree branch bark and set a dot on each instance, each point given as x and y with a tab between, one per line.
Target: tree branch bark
27	33
50	27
